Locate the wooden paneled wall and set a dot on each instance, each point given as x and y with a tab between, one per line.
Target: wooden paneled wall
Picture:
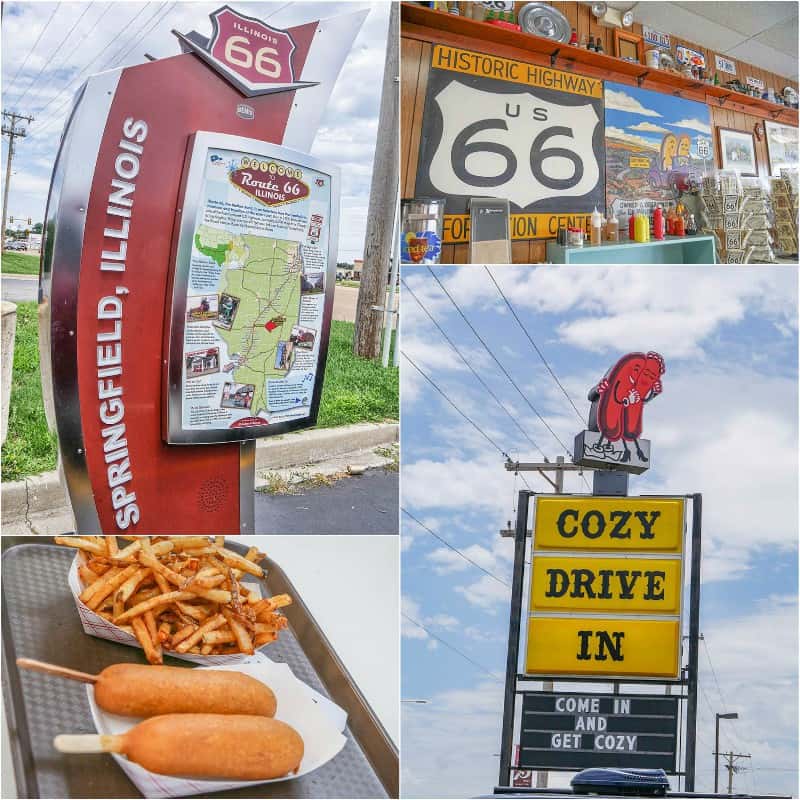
415	63
580	17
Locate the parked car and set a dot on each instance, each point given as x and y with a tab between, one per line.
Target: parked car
17	245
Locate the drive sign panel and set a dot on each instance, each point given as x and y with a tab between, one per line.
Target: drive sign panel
609	584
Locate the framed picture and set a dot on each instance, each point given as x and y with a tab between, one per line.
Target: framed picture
782	146
628	46
737	152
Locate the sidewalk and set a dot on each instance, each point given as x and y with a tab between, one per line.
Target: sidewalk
39	504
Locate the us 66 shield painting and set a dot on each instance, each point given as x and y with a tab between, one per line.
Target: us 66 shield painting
496	127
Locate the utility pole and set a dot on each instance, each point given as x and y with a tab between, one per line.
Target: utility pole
11	130
731	759
382	204
731	715
559	467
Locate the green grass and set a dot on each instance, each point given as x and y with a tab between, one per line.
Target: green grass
356	389
353	284
29	448
20	264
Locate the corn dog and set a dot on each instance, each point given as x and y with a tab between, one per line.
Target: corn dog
136	690
214	746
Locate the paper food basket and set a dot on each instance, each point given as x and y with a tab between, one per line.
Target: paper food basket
95	625
319	722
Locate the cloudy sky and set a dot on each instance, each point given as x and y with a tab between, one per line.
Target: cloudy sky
725	425
80	39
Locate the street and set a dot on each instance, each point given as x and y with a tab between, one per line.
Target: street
20	288
365	503
345	299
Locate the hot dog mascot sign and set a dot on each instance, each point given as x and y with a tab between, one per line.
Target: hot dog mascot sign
614	437
182	189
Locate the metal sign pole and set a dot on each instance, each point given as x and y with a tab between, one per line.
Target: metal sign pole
694	642
507	737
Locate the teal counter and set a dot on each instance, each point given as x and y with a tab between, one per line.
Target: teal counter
671	250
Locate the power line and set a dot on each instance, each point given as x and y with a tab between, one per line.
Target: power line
117	59
501	367
155	24
455	549
108	7
454	649
54	52
474	425
54	116
535	347
469	366
35	45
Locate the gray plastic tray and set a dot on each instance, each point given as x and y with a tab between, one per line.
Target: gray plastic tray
40	621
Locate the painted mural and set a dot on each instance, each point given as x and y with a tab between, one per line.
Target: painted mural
655	144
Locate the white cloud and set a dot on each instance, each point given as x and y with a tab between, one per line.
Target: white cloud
410	608
348	128
486	593
630	138
621	101
693	123
647	126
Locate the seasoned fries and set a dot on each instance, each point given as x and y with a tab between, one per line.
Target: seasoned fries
180	594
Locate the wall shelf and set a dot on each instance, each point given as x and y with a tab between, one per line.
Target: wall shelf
443	28
699	249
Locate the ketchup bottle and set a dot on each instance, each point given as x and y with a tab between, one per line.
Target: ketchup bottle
658	223
632	227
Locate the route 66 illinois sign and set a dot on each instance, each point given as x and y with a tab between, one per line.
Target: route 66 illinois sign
494	127
253	56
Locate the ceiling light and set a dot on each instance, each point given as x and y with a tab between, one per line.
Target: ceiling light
599	9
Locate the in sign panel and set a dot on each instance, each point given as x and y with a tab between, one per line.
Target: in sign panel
598	646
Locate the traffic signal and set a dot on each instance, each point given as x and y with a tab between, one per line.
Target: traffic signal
29	220
11	219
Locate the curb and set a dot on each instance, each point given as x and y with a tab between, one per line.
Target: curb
296	449
39	495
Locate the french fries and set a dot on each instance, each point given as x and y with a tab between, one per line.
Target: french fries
180	594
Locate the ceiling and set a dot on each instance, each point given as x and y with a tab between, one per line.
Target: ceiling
762	34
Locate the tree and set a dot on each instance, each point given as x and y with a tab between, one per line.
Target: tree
37	228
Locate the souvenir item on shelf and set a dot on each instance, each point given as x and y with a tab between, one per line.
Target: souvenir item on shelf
542	19
612	228
598	46
575	237
785	207
421	231
573	38
490	233
658	223
597	223
737	216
